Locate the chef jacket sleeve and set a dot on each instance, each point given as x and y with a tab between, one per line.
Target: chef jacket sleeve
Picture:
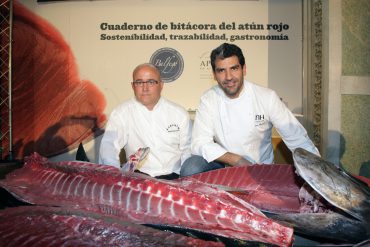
290	129
202	142
114	139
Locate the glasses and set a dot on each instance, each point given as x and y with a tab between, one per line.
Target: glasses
140	83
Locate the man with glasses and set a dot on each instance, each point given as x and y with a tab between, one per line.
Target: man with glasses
148	120
233	123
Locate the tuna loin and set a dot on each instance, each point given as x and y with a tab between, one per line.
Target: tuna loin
142	199
51	226
258	184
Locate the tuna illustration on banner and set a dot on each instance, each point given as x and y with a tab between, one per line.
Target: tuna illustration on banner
54	110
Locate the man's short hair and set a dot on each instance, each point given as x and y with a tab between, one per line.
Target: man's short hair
225	51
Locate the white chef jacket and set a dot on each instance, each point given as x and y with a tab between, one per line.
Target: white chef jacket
166	130
244	125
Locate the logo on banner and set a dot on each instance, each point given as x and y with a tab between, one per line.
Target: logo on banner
205	68
169	62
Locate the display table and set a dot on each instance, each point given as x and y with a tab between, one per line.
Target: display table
8	166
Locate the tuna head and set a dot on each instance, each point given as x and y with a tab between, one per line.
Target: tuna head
335	185
340	190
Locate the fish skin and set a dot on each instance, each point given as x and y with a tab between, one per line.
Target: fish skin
141	199
330	226
333	184
52	226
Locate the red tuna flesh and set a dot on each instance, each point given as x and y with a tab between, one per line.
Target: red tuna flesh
53	108
272	188
143	199
50	226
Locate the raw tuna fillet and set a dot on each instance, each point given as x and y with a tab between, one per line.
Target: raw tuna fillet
53	108
51	226
143	199
268	187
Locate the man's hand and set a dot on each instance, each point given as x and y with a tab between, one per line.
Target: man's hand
134	160
233	160
243	162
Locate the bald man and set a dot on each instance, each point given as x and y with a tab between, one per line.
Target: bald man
148	120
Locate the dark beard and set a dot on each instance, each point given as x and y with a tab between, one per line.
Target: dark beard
232	94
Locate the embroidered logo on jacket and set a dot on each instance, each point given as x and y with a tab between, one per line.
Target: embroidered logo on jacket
259	119
173	128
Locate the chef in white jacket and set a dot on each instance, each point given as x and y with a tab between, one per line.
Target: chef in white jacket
148	120
233	123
